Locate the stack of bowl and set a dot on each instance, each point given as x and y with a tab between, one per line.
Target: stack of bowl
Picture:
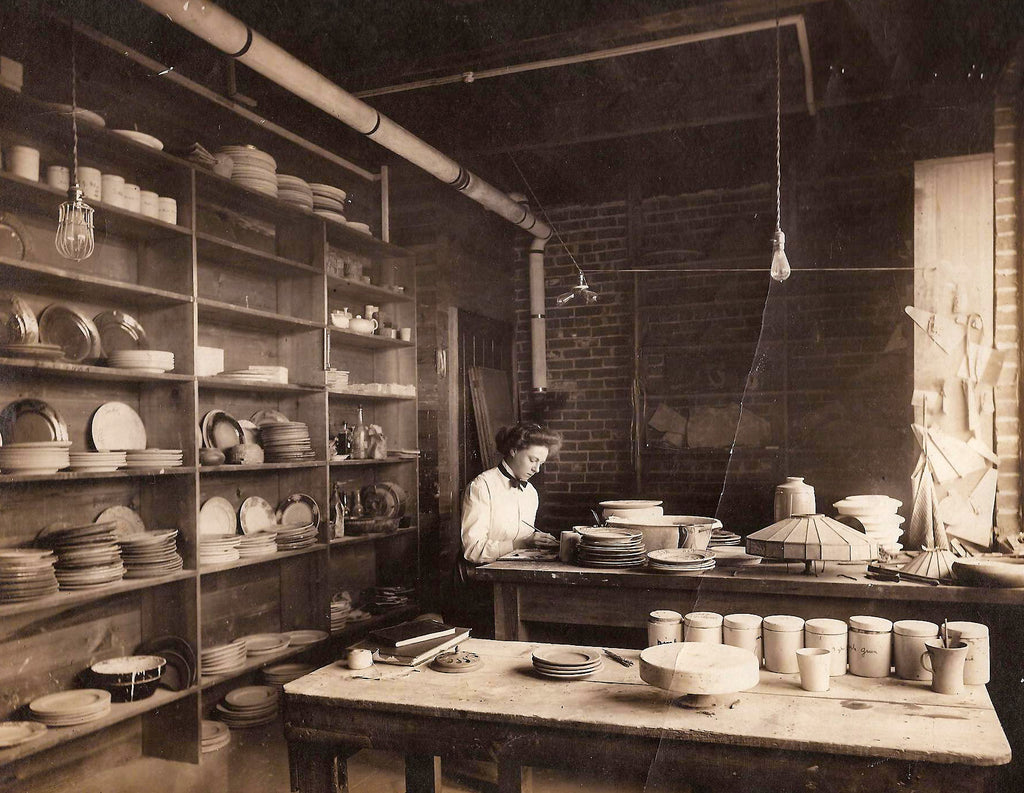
877	514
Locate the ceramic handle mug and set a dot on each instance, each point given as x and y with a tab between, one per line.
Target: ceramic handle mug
695	535
946	665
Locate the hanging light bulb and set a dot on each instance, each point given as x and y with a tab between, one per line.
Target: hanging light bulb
76	238
780	262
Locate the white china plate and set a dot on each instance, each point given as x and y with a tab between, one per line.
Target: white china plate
116	426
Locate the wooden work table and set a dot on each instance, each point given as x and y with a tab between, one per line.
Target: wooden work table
862	734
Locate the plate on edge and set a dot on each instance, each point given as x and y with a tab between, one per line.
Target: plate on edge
115	426
217	517
298	508
31	421
256	515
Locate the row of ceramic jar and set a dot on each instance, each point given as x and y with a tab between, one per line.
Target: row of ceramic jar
109	188
867	646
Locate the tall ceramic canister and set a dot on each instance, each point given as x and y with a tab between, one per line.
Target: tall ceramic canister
702	626
664	627
975	636
908	638
830	635
743	630
783	635
870	641
793	497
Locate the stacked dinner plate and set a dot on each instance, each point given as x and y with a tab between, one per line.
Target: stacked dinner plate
680	561
341	610
329	202
362	228
219	548
285	442
295	191
606	547
566	663
215	735
154	361
68	708
87	556
293	536
246	376
252	168
722	537
154	458
248	706
32	350
305	636
391	597
150	554
222	659
279	674
37	457
97	462
26	574
257	644
259	544
726	556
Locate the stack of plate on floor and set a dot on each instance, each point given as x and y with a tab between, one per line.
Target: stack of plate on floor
295	191
68	708
877	514
26	574
565	662
252	168
257	644
222	659
154	458
97	462
606	547
733	557
329	202
285	442
259	544
37	457
248	706
87	556
219	548
680	561
215	735
723	537
279	674
292	537
150	554
154	361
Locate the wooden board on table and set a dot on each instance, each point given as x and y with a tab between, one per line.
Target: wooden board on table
492	405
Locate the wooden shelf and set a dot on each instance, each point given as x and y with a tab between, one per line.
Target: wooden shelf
38	197
227	468
257	662
359	539
81	371
337	287
367	341
367	463
119	711
65	600
232	254
72	476
348	397
221	384
213	569
34	277
255	319
355	241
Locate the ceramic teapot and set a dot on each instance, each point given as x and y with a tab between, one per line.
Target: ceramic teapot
360	325
341	319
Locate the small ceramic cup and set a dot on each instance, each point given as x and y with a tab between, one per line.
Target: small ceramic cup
113	189
405	334
91	182
815	665
132	196
58	176
149	203
23	161
389	333
167	210
360	658
946	665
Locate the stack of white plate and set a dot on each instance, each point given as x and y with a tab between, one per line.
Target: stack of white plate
329	202
279	674
295	191
391	597
566	663
150	554
154	458
877	514
681	561
68	708
153	361
607	547
37	457
249	706
722	537
252	168
305	636
87	556
259	544
292	537
215	735
26	574
246	376
726	556
218	549
222	659
285	442
257	644
97	462
341	610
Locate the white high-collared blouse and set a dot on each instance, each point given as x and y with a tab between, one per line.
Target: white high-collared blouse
497	516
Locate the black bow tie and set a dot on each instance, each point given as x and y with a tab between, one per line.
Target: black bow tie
514	480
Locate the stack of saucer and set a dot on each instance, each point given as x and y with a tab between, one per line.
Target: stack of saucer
295	191
391	597
606	547
38	457
279	674
252	168
341	610
153	361
87	556
362	228
566	663
733	557
97	462
285	442
877	514
329	202
150	554
154	458
293	536
26	574
215	735
68	708
248	706
257	644
259	544
688	561
218	548
222	659
720	536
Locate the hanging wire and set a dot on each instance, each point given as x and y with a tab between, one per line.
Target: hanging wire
74	106
778	123
544	212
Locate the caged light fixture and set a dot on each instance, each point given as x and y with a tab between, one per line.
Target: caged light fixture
75	233
780	262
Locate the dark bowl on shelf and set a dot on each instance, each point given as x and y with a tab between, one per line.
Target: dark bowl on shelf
128	678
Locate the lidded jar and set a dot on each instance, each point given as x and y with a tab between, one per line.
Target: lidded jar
793	497
702	626
829	635
743	630
975	636
664	627
783	635
870	643
908	638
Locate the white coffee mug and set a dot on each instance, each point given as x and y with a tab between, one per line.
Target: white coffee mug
23	161
91	182
58	176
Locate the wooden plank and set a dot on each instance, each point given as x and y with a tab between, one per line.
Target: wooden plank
492	404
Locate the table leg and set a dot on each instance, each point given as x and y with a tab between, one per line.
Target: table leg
507	625
422	773
513	777
317	768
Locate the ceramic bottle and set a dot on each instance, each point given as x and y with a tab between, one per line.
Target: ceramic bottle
793	497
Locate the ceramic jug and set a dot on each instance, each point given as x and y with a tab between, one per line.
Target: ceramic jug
695	535
793	497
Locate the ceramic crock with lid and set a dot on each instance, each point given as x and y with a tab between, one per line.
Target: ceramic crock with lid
830	635
702	626
908	638
870	643
975	636
783	635
743	630
664	627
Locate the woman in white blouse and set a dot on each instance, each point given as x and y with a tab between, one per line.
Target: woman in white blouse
499	508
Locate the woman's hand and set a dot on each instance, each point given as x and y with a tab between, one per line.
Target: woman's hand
542	540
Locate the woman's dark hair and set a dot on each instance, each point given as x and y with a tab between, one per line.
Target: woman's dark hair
511	439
